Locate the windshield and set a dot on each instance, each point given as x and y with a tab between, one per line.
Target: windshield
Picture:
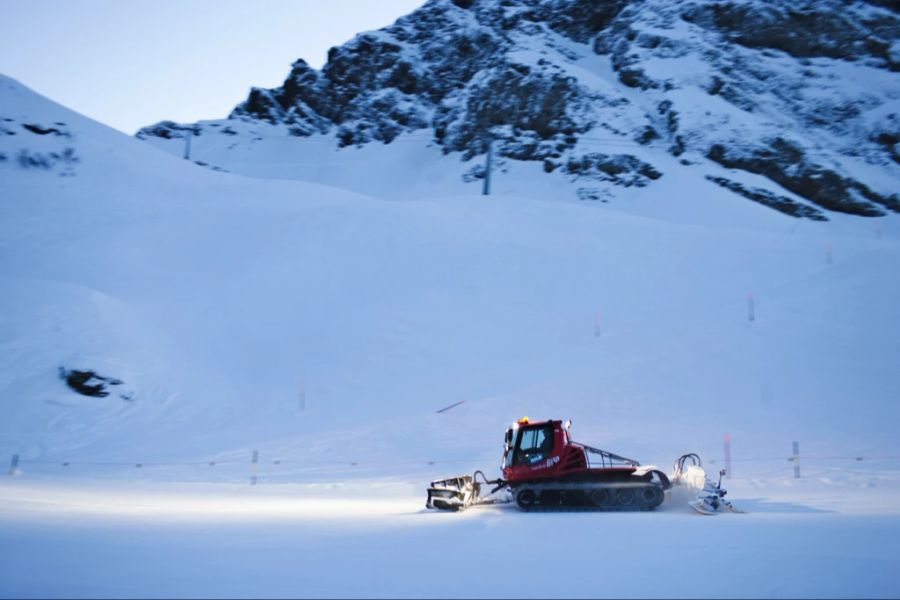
533	445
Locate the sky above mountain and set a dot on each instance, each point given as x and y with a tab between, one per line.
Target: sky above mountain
127	64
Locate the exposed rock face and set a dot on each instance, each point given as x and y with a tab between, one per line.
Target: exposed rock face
785	163
557	81
89	383
802	29
290	104
623	169
766	198
42	146
535	111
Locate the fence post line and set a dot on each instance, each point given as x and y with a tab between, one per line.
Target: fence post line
796	460
14	465
253	467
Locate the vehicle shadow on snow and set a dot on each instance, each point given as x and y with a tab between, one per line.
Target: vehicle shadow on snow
672	505
766	505
677	501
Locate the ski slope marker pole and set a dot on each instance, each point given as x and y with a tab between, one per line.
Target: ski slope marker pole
253	467
727	439
751	309
14	465
796	459
187	143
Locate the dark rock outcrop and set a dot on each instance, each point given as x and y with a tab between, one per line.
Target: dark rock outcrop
786	164
803	29
622	169
88	383
778	202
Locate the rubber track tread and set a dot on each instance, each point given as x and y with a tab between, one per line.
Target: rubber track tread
612	488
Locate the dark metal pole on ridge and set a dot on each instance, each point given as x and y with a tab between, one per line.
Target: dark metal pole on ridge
486	190
187	143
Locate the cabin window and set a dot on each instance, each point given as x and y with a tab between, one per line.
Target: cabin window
534	445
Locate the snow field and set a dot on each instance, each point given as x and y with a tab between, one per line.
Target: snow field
205	541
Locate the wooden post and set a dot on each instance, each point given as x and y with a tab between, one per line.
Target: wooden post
14	465
253	467
751	308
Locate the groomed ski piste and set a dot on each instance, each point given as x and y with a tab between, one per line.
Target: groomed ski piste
324	329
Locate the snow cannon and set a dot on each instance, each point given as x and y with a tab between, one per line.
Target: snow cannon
691	484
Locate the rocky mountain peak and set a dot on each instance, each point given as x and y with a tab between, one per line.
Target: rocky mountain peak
551	80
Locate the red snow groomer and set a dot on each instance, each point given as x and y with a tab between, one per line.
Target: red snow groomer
543	469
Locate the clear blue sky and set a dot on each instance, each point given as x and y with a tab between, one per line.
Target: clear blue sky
129	63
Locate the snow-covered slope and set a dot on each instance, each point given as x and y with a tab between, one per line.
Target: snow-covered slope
309	321
793	107
325	329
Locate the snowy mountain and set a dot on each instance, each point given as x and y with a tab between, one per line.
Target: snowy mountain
304	338
792	106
